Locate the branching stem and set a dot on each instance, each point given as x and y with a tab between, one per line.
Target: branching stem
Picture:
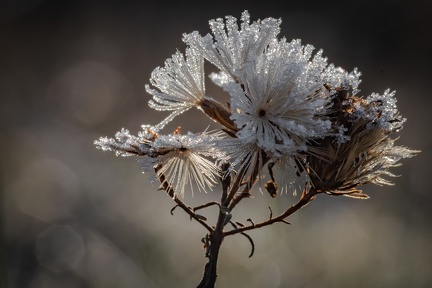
170	191
306	198
229	200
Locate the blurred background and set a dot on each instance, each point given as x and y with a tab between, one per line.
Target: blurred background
74	216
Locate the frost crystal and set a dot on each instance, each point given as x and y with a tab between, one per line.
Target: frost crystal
231	46
289	114
380	110
338	77
124	144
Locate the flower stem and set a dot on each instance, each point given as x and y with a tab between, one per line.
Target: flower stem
213	243
210	269
214	240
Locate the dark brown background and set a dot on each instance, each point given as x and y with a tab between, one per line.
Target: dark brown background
73	216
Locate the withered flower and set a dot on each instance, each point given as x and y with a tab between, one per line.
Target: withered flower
365	153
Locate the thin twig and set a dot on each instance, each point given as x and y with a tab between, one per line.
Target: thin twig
304	200
271	213
251	242
172	210
200	217
246	235
170	191
205	206
251	221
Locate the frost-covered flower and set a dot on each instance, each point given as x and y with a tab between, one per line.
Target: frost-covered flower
280	101
181	160
277	94
364	159
289	112
180	84
280	92
366	154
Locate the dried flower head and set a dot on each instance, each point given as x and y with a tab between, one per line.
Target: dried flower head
181	159
276	90
176	158
290	113
367	151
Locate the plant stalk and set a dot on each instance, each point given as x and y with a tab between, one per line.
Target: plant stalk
213	244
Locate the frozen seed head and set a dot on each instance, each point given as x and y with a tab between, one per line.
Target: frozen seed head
180	160
180	84
366	153
276	88
183	160
280	102
289	111
365	158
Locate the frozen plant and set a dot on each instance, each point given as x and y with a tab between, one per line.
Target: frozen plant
292	118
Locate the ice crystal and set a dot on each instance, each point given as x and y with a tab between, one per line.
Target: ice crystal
124	144
380	110
243	156
232	46
338	77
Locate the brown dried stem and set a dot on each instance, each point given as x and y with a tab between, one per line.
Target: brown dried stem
306	198
170	191
230	199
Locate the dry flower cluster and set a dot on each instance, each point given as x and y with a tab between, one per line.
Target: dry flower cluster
292	118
